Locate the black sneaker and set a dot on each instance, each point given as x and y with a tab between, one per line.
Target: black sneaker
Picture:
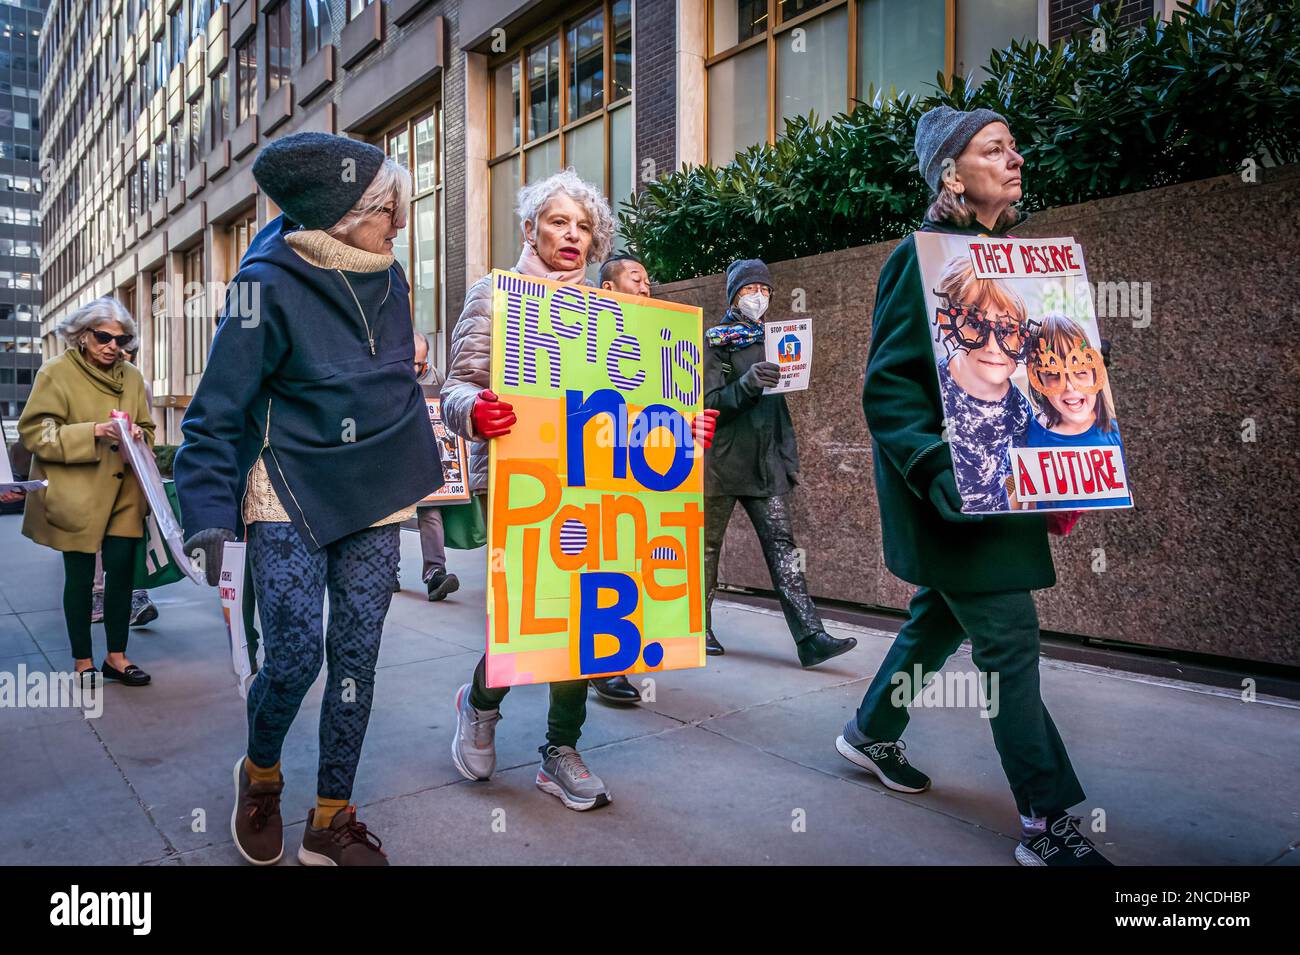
441	583
143	611
1059	844
885	760
711	645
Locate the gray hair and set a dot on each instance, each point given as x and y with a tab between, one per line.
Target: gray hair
534	197
92	315
392	183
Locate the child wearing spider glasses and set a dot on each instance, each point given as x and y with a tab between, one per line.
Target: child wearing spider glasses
1067	380
986	328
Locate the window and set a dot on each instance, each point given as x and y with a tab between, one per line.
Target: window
195	129
241	234
563	98
179	37
160	338
198	330
277	47
771	60
219	108
317	27
417	144
245	80
162	169
356	7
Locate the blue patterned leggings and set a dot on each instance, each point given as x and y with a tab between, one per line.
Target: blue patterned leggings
290	583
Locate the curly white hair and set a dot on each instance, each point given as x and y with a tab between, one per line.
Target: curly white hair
534	197
92	315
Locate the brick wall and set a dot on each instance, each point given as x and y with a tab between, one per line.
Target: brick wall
655	78
1066	16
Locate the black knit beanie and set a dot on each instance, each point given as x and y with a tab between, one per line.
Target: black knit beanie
744	272
315	178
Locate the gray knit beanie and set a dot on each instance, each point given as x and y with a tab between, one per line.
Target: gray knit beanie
315	178
743	272
943	133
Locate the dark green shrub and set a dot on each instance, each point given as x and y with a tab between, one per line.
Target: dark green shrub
164	455
1147	106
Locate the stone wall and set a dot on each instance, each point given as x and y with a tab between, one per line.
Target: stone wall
1208	559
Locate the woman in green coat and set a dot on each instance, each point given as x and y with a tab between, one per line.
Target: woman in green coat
91	502
974	573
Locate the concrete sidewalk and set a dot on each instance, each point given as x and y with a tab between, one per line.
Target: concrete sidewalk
734	763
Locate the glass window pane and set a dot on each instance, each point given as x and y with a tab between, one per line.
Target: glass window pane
541	161
587	66
544	89
505	97
426	153
811	67
424	270
620	156
900	46
506	238
398	148
622	16
737	20
792	8
584	150
988	26
737	104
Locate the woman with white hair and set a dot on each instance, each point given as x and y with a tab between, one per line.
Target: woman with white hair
90	504
308	436
566	224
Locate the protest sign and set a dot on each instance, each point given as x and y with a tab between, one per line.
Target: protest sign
232	608
595	499
451	448
140	457
7	482
1029	414
789	346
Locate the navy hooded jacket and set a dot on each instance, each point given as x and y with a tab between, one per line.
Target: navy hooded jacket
348	440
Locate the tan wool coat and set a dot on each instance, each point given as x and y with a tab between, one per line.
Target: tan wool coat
91	491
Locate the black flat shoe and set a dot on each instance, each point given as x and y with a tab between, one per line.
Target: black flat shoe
88	677
711	646
615	689
441	584
131	676
821	646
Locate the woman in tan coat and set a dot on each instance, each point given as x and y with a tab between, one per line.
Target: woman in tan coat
91	503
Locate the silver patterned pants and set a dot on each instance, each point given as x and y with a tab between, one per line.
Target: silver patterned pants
771	519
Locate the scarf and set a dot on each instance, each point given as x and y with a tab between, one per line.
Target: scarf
109	379
319	248
734	332
530	263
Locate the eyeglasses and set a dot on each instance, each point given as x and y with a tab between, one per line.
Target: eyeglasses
104	338
970	327
386	211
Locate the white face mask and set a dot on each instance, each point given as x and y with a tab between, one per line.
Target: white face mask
753	306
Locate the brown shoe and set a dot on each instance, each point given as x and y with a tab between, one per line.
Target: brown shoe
255	823
345	842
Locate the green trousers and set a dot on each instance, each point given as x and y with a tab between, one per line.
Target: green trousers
1003	631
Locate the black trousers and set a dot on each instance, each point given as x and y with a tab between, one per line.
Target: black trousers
79	583
771	519
564	720
1003	632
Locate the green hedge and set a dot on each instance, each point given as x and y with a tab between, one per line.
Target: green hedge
1146	106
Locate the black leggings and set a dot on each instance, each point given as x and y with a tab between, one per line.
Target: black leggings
79	582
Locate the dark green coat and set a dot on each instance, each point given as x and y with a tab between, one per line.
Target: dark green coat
905	416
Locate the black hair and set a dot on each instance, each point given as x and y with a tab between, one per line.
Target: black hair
612	265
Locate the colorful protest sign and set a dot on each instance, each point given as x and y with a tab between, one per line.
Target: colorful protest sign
451	448
1030	418
788	345
595	500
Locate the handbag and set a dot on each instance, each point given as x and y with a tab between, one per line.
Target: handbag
463	527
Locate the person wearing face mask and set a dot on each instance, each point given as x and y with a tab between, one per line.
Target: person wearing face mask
974	573
754	461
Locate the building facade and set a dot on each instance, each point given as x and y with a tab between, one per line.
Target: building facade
155	109
20	195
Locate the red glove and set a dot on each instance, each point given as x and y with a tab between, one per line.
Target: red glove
1061	523
703	426
492	416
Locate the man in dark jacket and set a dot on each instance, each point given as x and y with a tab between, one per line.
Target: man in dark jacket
754	460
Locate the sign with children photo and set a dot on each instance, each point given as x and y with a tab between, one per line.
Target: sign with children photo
1029	413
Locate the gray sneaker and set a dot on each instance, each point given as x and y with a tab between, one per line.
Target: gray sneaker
565	776
474	748
97	606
